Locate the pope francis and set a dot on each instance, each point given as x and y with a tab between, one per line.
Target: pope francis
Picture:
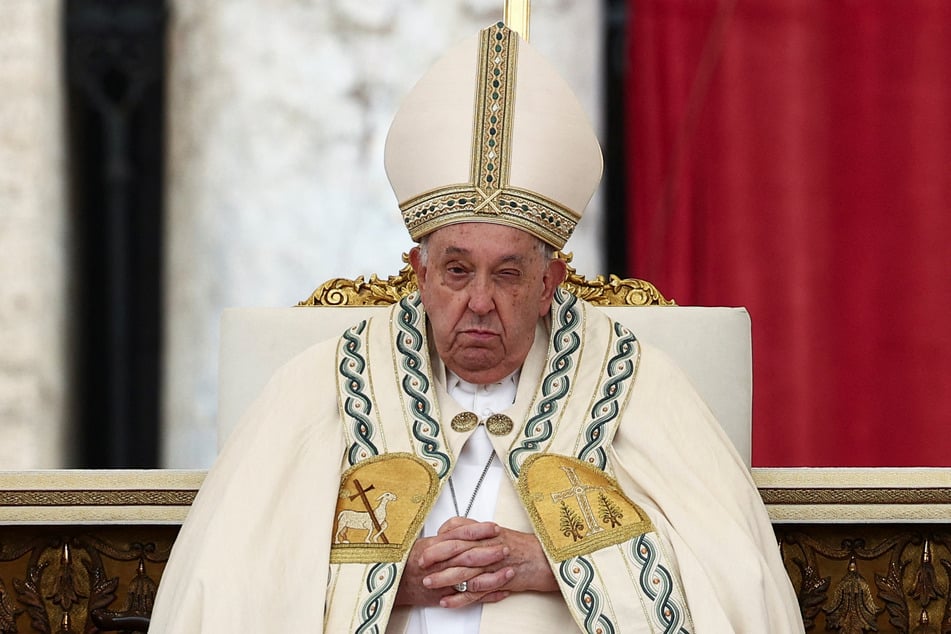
494	454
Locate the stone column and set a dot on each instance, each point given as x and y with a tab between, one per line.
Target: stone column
33	242
278	113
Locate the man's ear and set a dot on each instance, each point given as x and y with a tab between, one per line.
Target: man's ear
416	261
555	273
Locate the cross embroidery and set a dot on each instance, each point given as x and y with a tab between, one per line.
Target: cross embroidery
362	494
579	492
488	200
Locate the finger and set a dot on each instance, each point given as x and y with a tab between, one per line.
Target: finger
460	599
494	597
478	582
491	581
446	546
454	522
482	556
469	529
441	555
447	578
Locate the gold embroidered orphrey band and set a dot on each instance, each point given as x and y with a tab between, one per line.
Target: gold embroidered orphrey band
488	193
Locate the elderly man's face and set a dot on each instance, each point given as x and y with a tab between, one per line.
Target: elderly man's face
484	287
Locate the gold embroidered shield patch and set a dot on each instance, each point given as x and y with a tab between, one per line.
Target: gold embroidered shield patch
577	508
383	501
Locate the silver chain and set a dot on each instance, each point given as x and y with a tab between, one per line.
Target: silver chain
475	492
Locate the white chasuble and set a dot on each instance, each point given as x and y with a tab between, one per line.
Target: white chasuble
650	520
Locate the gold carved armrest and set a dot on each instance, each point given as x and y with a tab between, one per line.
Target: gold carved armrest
610	291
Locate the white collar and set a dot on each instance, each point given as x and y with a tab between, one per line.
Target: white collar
454	382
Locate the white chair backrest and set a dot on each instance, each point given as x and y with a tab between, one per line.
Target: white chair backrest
711	344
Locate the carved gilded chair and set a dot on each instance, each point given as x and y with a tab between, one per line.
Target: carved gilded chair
866	549
712	344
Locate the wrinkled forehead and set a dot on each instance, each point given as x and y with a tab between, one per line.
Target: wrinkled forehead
483	240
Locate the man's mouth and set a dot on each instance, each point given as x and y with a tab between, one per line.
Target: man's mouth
479	334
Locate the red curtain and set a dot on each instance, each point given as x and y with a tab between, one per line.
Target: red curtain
794	157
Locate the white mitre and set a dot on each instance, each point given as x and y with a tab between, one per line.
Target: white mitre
493	134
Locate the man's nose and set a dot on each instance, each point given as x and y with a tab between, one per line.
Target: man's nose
481	296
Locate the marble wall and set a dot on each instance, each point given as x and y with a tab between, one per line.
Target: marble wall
278	111
34	302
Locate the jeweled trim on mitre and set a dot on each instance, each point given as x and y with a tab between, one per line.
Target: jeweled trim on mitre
543	218
494	108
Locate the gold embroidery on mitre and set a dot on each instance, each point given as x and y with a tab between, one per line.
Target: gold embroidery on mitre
489	196
495	110
577	508
381	506
544	218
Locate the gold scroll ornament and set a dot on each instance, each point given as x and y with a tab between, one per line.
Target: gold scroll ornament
375	291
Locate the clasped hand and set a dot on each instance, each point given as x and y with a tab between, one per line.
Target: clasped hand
495	561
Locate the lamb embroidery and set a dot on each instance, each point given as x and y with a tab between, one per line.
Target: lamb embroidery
372	520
